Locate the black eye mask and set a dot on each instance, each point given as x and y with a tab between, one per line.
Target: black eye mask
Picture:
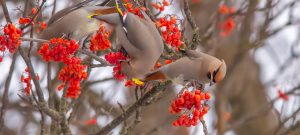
215	73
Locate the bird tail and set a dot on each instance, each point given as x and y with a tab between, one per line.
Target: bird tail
157	75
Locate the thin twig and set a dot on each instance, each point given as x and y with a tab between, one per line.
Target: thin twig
54	7
102	61
35	15
205	130
49	86
259	112
5	11
42	102
193	24
138	111
285	120
6	89
123	111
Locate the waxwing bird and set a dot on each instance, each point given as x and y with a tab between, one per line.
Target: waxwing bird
196	66
139	38
75	22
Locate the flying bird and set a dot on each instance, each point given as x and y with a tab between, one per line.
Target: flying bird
196	66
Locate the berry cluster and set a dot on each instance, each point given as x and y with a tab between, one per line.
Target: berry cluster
228	25
11	39
99	41
160	6
134	10
59	50
170	31
73	74
25	20
62	50
26	80
114	58
191	104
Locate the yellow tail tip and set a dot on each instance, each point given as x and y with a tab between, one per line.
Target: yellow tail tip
91	16
137	81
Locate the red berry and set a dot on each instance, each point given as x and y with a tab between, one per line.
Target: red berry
207	96
33	10
175	123
166	3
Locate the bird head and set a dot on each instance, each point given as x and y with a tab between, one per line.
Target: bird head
217	71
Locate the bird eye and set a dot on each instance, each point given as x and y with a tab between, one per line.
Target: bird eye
209	75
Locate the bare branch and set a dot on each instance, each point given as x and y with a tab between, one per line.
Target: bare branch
5	11
6	90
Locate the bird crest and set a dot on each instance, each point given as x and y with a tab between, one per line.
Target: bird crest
120	8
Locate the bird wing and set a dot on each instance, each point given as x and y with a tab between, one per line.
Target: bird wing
67	10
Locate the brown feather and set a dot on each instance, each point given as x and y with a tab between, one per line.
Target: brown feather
158	75
105	11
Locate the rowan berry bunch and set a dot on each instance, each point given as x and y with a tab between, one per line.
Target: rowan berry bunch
170	31
191	106
26	20
63	50
73	74
26	79
10	40
228	25
99	41
135	10
59	50
160	5
115	59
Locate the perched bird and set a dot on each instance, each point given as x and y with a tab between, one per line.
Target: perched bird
139	38
196	66
75	21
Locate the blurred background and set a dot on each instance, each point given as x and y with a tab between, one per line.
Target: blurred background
261	53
